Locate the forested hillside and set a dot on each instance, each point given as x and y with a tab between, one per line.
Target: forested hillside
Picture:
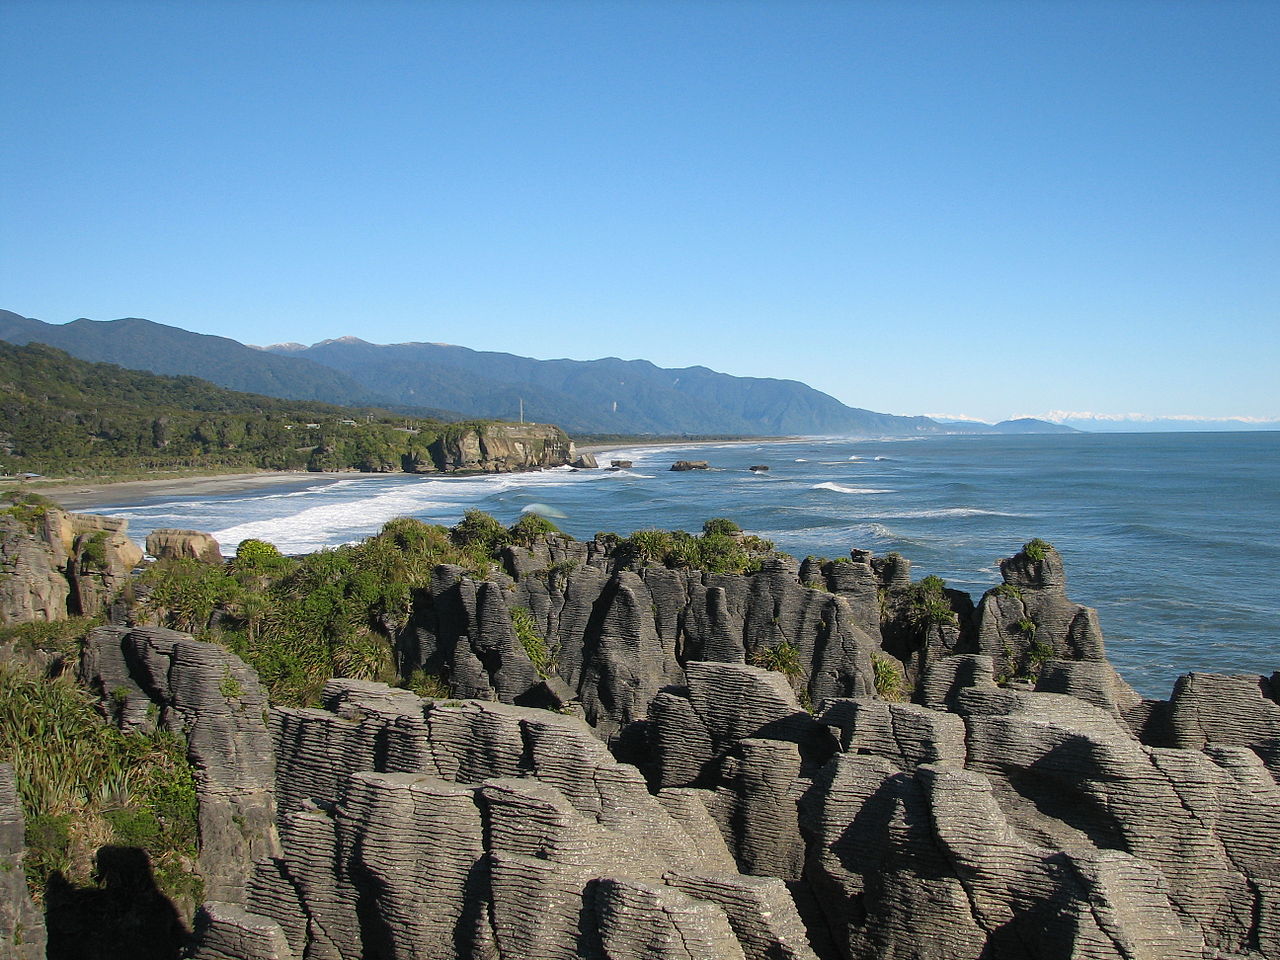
66	417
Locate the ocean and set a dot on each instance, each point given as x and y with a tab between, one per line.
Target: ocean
1174	538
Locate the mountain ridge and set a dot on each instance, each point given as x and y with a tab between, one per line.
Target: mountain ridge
608	395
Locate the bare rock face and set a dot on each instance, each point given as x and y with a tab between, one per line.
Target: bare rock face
586	461
1241	711
449	829
22	932
183	544
618	637
207	694
33	585
59	564
681	466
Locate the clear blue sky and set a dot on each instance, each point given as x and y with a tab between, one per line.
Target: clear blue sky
986	209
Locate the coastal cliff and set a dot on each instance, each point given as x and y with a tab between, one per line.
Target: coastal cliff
498	447
822	759
55	564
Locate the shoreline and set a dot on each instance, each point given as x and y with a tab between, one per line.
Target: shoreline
75	496
72	495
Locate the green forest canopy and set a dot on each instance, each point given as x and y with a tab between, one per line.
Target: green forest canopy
63	416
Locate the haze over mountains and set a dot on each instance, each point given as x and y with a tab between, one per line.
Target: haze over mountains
582	396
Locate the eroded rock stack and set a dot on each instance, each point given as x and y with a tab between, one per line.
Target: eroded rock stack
499	448
619	636
1026	805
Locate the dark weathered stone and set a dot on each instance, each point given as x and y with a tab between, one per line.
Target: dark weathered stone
22	932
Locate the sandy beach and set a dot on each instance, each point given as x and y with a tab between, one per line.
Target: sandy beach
78	496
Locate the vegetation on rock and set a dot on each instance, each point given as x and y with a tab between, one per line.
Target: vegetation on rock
1037	549
84	783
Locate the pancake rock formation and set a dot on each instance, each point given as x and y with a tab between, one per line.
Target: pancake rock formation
820	760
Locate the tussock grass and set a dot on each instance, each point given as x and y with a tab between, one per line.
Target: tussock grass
83	783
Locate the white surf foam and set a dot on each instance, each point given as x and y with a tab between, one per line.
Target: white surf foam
841	488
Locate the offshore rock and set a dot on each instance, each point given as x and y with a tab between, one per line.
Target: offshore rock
681	466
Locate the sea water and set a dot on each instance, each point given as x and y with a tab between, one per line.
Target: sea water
1174	538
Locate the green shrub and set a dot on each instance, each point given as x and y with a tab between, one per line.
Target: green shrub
1037	549
61	636
479	531
259	558
927	605
526	631
184	593
29	509
93	550
427	685
530	528
82	781
887	677
783	658
720	525
229	687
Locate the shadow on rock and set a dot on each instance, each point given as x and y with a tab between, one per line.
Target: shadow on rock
126	916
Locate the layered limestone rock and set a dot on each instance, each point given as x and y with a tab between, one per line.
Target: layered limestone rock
999	815
1031	629
1208	710
149	675
501	448
440	829
617	637
22	932
55	564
